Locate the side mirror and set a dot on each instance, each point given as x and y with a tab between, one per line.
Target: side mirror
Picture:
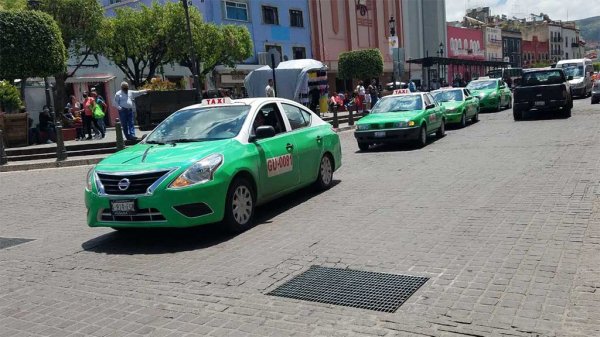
144	136
468	98
265	131
570	77
366	112
430	106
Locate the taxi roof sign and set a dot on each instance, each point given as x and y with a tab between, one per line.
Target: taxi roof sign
401	91
218	100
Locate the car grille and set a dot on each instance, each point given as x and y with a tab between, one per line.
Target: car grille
142	215
138	182
382	126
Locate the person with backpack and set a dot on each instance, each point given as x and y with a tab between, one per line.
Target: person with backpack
98	114
89	105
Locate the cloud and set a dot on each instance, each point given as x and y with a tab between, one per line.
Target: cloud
557	9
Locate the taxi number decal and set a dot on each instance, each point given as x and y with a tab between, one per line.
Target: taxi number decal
279	165
432	117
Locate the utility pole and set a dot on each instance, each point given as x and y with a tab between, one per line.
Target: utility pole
192	51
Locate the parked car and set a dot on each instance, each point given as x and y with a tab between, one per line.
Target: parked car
543	90
460	105
579	72
596	92
493	93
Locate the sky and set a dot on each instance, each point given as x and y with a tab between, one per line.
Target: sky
556	9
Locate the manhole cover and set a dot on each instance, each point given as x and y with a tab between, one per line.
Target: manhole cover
351	288
9	242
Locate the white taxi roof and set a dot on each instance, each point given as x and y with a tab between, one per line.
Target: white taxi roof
226	101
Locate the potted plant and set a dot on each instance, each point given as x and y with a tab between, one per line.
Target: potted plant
14	125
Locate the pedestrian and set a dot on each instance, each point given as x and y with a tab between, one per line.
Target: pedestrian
98	114
373	92
315	96
89	104
411	86
46	125
124	102
360	91
269	90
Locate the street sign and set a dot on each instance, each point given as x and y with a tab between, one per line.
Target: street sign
392	43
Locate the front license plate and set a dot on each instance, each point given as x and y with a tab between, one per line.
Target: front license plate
123	207
540	103
380	134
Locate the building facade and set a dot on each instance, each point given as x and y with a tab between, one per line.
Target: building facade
465	44
511	47
493	44
534	51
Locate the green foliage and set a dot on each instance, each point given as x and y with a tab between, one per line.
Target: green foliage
138	41
30	45
541	64
10	100
589	28
596	66
360	64
158	84
13	5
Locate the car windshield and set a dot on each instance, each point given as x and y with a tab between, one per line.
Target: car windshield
398	103
448	96
572	69
481	85
495	73
200	124
542	78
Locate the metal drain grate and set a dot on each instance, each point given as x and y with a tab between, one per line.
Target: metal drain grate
9	242
351	288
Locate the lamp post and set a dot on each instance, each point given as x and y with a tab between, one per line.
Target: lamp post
392	25
192	52
441	56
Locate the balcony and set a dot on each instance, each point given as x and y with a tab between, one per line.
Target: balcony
575	45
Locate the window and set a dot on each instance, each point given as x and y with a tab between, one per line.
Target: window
296	19
299	53
268	47
270	15
236	11
268	115
298	118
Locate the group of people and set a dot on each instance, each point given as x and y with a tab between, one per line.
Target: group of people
360	99
87	116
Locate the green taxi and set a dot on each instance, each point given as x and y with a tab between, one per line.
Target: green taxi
460	105
493	93
401	118
213	162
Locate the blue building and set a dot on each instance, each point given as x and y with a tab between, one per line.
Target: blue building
273	24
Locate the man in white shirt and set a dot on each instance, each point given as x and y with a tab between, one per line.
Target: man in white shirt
124	103
269	91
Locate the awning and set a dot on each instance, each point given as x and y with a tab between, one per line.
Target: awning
430	61
90	78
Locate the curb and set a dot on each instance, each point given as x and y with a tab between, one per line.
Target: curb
46	165
345	128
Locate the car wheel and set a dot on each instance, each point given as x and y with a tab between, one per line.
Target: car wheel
567	113
475	117
518	115
463	120
325	178
510	103
422	140
498	106
441	132
239	206
363	146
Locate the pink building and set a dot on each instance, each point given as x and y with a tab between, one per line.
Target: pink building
338	26
465	44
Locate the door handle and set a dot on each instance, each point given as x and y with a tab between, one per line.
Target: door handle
289	147
319	139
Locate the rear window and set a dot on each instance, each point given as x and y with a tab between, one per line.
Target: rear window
542	78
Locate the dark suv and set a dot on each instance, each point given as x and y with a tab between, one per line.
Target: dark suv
596	92
542	90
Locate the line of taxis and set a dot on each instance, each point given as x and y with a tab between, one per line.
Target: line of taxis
216	161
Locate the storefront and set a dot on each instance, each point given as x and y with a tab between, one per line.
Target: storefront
232	79
104	84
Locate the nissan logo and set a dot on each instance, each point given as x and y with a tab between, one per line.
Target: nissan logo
123	184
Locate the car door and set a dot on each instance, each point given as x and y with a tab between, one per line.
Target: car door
308	140
436	114
278	155
468	102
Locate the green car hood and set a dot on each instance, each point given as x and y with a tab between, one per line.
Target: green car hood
389	117
482	91
162	156
452	104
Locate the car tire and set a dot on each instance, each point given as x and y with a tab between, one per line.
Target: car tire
239	205
441	132
463	120
325	176
422	139
475	118
364	147
518	115
567	113
509	104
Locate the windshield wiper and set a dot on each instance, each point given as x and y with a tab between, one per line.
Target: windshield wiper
184	140
154	142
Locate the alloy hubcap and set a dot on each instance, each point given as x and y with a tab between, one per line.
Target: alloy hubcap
326	171
242	204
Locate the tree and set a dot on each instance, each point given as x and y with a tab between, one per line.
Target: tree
9	97
141	40
360	64
41	54
13	4
79	22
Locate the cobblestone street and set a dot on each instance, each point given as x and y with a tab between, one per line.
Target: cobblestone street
502	216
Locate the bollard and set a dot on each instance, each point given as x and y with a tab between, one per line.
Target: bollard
61	152
351	117
336	123
119	131
3	158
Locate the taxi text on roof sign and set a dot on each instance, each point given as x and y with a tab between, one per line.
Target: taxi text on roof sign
401	91
213	101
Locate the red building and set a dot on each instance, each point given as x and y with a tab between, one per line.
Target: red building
465	44
534	51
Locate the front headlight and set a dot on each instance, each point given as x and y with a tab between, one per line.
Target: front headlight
89	178
481	95
362	127
492	95
201	172
400	124
451	110
411	123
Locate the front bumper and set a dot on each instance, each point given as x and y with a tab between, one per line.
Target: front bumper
454	117
205	204
579	92
388	135
551	105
